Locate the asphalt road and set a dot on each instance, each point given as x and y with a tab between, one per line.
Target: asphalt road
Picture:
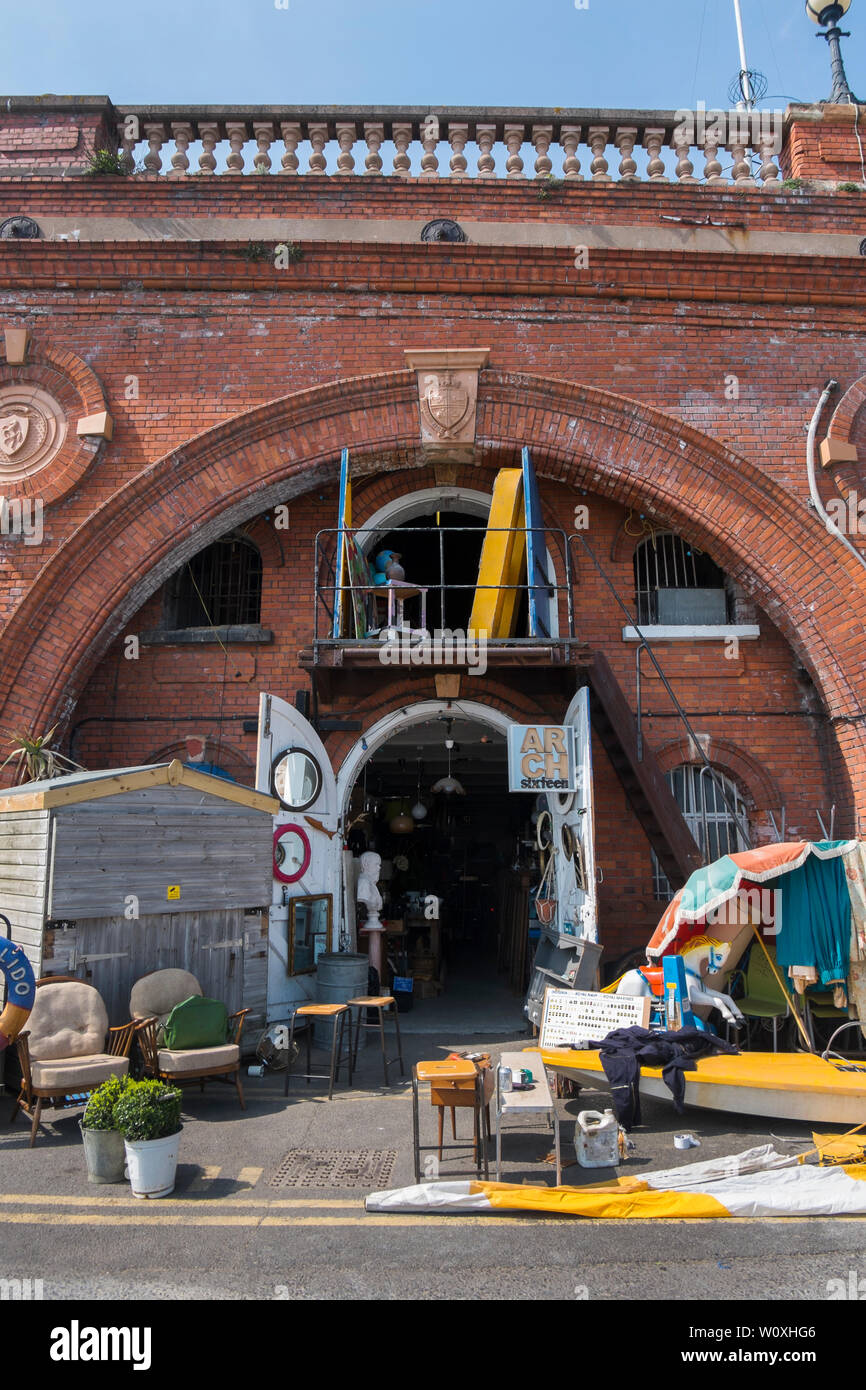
228	1233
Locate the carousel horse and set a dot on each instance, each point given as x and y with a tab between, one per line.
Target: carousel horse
703	957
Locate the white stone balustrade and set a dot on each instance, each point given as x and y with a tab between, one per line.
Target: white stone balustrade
292	134
237	134
374	134
182	134
735	149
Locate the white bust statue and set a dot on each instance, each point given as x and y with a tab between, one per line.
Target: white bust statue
368	890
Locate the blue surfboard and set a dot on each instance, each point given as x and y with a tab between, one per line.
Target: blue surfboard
540	616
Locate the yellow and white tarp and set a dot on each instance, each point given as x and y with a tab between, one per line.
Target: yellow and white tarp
758	1182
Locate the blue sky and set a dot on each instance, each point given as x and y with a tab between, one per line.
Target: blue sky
615	53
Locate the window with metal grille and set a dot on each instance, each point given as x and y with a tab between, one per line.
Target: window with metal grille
219	587
711	820
677	585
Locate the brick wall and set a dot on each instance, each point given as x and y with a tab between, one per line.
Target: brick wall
248	381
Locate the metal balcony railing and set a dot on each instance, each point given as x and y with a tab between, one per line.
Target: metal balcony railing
355	611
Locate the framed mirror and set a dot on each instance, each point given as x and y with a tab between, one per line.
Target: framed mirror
296	779
309	932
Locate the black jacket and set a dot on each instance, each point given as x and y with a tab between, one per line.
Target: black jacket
626	1050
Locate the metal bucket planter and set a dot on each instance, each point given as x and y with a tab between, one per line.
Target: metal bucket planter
104	1155
152	1165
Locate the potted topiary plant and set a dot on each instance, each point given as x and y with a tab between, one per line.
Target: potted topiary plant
148	1117
103	1142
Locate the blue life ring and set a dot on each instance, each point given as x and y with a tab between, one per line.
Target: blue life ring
20	987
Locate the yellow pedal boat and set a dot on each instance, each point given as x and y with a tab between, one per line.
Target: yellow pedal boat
782	1085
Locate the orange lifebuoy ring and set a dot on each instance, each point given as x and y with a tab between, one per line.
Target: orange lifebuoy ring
20	987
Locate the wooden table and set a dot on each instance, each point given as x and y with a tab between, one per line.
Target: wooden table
450	1077
538	1100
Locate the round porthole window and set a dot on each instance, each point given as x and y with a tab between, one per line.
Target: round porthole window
296	779
292	853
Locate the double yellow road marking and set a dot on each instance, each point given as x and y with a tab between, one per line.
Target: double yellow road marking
66	1210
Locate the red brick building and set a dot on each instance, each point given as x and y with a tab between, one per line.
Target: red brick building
655	323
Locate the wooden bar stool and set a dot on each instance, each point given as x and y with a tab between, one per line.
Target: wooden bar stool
379	1002
337	1013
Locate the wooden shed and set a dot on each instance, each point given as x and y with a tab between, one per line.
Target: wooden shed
108	875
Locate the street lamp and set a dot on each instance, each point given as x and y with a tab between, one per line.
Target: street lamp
828	17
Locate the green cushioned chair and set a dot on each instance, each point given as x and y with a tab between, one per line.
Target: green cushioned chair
186	1037
764	997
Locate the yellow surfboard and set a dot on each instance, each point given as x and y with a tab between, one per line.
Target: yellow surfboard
503	559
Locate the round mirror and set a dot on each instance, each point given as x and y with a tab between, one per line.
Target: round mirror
562	802
296	779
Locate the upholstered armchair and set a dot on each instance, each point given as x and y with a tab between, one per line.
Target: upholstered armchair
68	1048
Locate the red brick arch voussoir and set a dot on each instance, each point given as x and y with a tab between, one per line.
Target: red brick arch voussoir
761	789
581	436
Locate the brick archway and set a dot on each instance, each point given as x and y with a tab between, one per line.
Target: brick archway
582	437
756	783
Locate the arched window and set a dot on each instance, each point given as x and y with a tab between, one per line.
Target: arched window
677	585
712	820
219	587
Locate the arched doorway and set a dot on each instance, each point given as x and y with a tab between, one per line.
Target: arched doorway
426	788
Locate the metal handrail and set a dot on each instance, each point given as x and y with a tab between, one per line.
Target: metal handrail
828	1053
325	589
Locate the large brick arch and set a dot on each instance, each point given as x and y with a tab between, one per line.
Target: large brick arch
761	534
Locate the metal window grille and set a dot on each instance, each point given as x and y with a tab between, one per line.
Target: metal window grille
219	587
707	815
664	564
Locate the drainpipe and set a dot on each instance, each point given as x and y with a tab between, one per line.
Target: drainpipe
831	526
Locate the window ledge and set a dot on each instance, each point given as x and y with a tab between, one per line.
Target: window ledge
201	636
710	632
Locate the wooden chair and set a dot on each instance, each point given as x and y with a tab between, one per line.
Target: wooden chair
152	1000
454	1097
63	1053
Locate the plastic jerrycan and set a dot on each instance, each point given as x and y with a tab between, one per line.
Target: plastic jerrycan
596	1139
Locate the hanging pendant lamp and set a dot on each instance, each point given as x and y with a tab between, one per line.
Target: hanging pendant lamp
402	823
419	810
449	785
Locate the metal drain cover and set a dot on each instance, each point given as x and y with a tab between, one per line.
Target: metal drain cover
369	1168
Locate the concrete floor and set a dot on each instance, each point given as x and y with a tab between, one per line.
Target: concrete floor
475	1000
228	1233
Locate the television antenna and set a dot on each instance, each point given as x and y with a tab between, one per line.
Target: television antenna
749	86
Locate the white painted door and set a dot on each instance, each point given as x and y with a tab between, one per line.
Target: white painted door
310	791
576	876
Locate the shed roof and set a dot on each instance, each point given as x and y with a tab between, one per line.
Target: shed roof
91	786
